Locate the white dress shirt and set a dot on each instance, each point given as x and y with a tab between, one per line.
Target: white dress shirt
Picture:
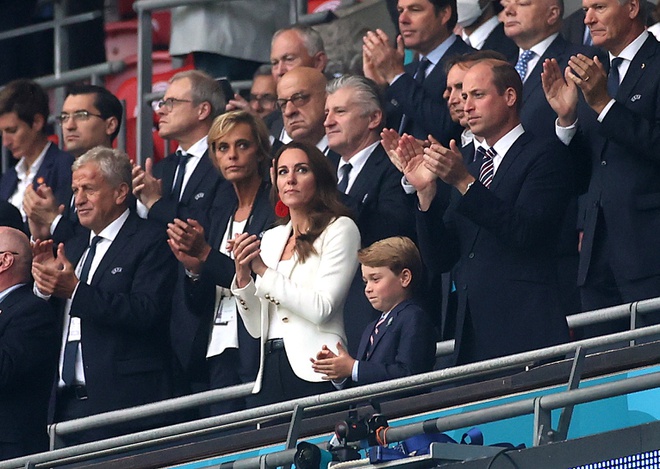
357	162
72	329
195	152
25	178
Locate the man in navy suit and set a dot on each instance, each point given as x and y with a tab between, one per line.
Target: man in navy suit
414	92
496	220
534	27
401	342
615	145
90	116
28	351
183	185
369	182
23	121
115	282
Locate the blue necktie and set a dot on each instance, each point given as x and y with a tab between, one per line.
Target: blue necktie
523	60
345	171
613	77
180	172
71	347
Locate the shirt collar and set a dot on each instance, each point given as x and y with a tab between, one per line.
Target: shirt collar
197	149
323	145
436	54
540	48
358	160
504	144
5	293
110	232
479	35
21	166
629	52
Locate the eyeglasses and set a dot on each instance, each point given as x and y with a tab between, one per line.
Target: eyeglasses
77	116
11	252
298	100
169	102
264	100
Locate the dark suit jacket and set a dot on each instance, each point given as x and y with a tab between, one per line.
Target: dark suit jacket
404	345
623	170
425	109
536	113
124	314
29	345
55	172
197	196
500	42
10	216
194	302
502	241
382	209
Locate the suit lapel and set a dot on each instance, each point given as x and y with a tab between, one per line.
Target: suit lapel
203	168
508	160
169	169
262	211
361	185
117	247
637	69
554	50
45	168
384	328
279	239
10	181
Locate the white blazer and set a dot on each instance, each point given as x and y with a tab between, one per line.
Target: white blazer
309	301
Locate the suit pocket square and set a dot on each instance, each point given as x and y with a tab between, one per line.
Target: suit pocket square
116	270
199	195
635	98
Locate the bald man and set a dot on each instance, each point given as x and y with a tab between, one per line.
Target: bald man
301	98
28	351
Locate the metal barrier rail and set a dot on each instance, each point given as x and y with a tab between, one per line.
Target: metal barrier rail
476	417
201	427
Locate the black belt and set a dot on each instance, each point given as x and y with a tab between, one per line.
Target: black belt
78	392
274	345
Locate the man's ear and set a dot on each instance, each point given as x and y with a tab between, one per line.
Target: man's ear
111	125
204	111
38	122
375	119
122	193
406	278
320	61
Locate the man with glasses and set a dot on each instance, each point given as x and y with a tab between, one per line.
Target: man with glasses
263	94
301	98
91	116
28	352
184	184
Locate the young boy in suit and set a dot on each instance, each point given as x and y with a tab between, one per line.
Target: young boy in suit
402	341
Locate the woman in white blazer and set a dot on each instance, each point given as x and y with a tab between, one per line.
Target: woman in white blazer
303	268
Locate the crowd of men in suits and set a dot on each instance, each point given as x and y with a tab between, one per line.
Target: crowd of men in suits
523	165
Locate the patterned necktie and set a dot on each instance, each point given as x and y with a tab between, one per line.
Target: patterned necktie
523	60
373	335
487	168
345	171
613	78
71	347
180	172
